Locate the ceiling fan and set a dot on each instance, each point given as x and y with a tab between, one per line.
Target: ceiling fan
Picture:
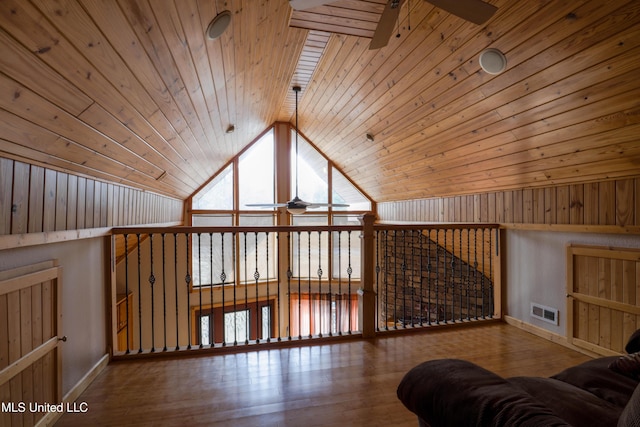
475	11
296	205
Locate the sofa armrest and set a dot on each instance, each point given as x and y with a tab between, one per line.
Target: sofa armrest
452	392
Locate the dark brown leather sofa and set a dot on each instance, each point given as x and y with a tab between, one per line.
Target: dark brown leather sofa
457	393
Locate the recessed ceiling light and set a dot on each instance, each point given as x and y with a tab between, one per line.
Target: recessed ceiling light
218	25
493	61
231	129
370	137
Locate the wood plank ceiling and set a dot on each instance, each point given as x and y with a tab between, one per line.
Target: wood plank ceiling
131	91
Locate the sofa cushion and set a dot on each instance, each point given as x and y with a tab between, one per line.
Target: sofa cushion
633	345
576	406
628	365
630	417
457	393
595	377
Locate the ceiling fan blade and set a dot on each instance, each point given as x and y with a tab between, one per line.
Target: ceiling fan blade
308	4
385	26
475	11
265	205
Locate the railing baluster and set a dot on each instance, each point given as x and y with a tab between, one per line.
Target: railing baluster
200	283
126	285
386	280
438	281
429	267
187	280
212	334
271	316
330	268
299	290
246	290
460	283
320	282
175	271
256	276
468	275
403	269
475	271
377	256
164	293
420	275
152	281
340	296
483	270
395	280
349	272
139	296
309	281
289	276
223	279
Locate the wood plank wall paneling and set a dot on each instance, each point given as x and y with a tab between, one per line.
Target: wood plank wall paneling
34	199
595	203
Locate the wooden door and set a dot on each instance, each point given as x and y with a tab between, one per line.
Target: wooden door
603	290
30	348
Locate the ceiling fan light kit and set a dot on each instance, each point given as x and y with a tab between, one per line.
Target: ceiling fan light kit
218	24
493	61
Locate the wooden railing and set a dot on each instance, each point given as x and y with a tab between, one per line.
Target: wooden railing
187	288
436	274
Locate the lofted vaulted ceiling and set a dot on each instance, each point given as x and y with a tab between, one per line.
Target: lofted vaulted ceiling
131	91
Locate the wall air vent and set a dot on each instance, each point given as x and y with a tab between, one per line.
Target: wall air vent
544	313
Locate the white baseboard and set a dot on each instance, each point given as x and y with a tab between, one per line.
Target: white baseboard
51	417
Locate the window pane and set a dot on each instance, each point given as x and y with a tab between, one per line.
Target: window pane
346	249
236	326
257	251
212	254
256	173
218	194
310	252
312	172
266	322
345	192
205	328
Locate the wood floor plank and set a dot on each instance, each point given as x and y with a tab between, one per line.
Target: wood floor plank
350	383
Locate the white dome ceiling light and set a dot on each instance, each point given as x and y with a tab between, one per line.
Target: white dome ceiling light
218	25
493	61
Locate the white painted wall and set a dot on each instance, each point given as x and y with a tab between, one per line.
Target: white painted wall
84	293
536	270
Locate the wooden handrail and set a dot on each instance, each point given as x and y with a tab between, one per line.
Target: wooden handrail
432	226
234	229
296	228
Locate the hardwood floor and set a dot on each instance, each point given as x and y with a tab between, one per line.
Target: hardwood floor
347	384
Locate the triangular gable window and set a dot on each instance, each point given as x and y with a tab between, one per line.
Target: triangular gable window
313	182
346	193
251	178
218	194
